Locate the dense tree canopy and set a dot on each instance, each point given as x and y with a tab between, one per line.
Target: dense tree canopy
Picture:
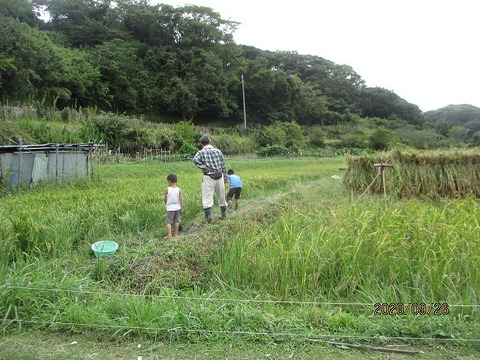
130	56
461	122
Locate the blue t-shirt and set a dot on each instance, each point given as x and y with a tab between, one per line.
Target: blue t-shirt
235	181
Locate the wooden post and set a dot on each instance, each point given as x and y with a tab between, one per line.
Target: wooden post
381	167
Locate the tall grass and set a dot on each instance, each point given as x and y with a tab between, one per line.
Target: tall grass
54	223
374	250
120	201
297	236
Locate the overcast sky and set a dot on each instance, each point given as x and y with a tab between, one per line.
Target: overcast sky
426	51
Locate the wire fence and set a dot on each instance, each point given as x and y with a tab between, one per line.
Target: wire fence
213	299
302	335
116	155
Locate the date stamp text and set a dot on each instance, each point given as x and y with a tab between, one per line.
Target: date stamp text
411	308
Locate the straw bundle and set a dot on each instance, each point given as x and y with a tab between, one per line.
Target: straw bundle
431	174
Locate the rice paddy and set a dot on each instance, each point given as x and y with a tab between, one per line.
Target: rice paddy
303	257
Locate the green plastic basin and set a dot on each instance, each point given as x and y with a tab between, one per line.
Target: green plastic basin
104	248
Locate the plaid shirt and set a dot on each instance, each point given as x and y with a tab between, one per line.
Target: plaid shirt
210	157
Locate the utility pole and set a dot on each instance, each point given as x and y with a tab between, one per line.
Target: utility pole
244	109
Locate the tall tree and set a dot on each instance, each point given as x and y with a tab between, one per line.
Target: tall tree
33	67
200	26
153	25
382	103
130	88
83	22
22	10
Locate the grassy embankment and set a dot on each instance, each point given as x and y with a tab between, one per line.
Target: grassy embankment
300	259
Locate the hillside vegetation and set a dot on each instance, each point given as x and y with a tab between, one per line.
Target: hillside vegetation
182	62
168	64
136	136
460	122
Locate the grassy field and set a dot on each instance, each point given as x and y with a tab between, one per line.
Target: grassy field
302	260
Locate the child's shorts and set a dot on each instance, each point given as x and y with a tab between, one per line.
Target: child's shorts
173	217
234	192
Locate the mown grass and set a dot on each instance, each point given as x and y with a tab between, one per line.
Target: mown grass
301	258
38	346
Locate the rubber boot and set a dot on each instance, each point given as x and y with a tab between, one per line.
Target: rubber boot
208	214
223	210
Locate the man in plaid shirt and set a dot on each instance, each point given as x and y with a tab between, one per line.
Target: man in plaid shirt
212	163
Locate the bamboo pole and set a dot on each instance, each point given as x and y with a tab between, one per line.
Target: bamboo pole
381	167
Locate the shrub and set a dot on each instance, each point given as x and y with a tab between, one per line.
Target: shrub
271	135
382	138
316	137
294	134
357	139
232	144
186	132
423	139
286	134
272	150
187	149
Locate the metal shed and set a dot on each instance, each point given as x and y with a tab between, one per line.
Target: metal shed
28	164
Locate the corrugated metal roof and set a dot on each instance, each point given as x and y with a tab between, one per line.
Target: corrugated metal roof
48	147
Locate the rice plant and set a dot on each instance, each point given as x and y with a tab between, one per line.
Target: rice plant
334	250
288	262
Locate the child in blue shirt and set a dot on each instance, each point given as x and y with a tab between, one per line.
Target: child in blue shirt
235	190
